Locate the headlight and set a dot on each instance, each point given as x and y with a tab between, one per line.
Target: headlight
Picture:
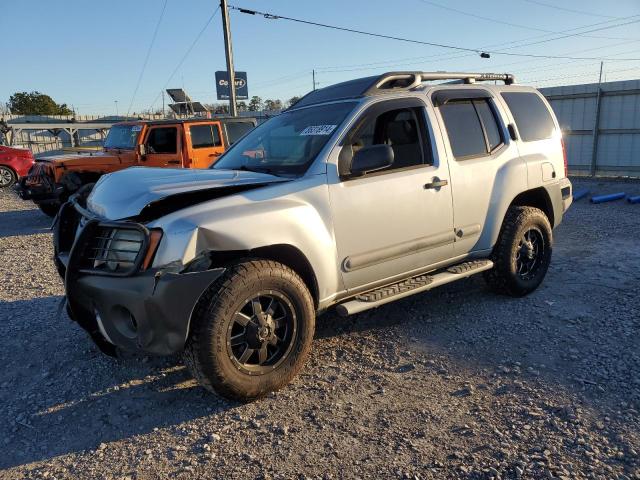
116	249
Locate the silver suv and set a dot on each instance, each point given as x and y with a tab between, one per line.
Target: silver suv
362	193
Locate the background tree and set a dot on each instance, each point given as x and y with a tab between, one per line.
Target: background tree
36	103
242	106
273	104
255	104
293	100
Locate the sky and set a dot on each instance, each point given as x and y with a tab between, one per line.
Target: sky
90	55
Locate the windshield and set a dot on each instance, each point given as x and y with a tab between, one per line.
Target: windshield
288	143
123	136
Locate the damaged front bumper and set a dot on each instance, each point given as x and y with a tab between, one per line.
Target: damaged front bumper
147	311
39	191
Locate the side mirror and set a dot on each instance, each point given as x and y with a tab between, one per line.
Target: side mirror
142	150
371	159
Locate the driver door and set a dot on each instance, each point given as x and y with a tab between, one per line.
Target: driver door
391	222
162	147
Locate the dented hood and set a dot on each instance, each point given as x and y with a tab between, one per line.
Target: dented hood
157	191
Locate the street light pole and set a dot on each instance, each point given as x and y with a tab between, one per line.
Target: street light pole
226	28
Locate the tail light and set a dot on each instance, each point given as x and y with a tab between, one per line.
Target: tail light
564	157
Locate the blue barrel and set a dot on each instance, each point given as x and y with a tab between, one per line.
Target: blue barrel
577	195
608	198
635	199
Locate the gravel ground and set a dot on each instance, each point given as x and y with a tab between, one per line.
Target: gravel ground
454	383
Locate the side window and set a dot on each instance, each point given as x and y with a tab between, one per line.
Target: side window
403	129
472	128
162	140
532	117
205	136
201	136
235	130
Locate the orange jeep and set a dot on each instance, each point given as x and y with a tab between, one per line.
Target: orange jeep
192	143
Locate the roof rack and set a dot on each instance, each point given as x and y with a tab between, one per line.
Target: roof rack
392	82
409	80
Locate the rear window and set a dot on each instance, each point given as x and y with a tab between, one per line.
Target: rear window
532	117
467	121
235	130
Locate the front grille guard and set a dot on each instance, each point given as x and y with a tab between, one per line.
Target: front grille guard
82	243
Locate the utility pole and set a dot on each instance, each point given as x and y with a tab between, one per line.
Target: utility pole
596	126
162	103
116	102
313	73
226	28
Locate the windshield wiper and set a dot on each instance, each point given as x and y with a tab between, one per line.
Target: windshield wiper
266	170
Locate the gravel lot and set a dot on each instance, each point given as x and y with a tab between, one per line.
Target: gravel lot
454	383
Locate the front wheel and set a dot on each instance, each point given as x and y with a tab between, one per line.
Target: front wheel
523	252
7	177
251	331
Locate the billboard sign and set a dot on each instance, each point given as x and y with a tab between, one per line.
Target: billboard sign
222	85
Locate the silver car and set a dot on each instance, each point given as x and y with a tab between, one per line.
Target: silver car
362	193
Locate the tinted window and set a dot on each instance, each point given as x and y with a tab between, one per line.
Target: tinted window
201	136
532	117
235	130
489	122
401	129
162	140
464	129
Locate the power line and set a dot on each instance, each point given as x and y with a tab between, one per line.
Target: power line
511	24
146	60
184	57
581	12
449	57
272	16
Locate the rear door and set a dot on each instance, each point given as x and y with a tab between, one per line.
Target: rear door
484	163
205	144
163	147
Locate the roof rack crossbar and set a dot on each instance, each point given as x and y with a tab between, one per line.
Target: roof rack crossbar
410	80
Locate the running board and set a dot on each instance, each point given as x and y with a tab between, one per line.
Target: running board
410	286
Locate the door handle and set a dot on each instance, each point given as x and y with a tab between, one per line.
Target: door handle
215	154
436	184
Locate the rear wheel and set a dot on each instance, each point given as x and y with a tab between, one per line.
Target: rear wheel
251	331
523	252
50	209
7	177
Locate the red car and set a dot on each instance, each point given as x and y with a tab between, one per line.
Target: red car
14	163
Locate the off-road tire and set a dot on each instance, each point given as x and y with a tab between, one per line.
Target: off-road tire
205	352
503	277
49	209
7	175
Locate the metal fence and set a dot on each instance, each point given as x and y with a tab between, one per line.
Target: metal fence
601	126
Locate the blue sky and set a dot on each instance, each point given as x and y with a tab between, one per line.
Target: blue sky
90	54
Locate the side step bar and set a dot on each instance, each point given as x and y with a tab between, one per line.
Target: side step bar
417	284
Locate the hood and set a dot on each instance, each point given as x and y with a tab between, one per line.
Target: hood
83	158
154	192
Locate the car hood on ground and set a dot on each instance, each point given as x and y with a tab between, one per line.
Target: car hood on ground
157	191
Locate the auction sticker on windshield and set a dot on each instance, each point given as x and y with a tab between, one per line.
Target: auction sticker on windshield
136	128
318	130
